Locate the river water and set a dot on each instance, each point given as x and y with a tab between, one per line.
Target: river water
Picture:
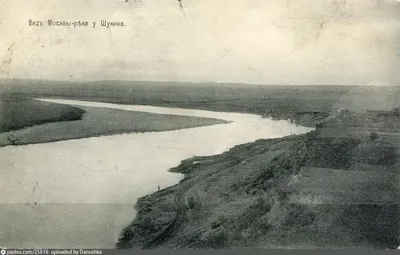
80	193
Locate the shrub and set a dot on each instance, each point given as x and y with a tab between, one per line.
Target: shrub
215	238
125	237
191	202
253	212
11	138
298	215
373	136
330	153
217	223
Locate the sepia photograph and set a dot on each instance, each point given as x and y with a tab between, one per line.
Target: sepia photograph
199	125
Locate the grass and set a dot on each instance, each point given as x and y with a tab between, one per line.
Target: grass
312	103
253	203
17	113
99	122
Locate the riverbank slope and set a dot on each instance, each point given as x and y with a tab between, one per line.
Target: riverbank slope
336	187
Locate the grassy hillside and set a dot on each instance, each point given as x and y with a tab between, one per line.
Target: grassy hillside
309	191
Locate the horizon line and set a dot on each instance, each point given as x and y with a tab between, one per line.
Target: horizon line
194	82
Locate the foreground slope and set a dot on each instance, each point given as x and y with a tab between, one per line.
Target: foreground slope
331	188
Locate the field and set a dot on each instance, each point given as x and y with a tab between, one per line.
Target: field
94	122
18	113
307	105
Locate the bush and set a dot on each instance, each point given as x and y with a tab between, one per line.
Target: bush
330	153
125	237
191	202
215	238
373	136
217	223
11	138
253	212
298	215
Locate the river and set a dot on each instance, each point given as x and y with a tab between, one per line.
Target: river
80	193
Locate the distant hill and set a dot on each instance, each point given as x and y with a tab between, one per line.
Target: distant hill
283	102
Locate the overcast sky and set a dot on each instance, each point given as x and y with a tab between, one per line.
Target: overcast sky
352	42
